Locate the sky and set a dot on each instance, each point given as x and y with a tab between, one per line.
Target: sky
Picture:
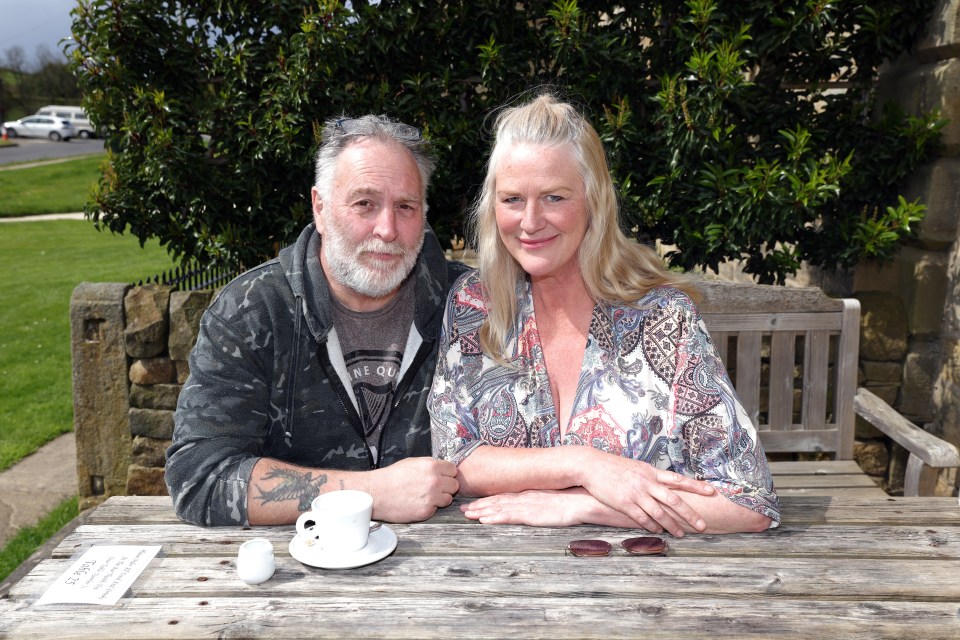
30	23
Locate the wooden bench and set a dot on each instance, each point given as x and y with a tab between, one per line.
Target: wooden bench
792	354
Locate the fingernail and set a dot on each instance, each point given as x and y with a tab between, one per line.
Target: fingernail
701	525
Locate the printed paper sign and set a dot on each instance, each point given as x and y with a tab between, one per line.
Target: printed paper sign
100	576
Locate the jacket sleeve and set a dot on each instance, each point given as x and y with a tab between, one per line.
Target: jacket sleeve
222	419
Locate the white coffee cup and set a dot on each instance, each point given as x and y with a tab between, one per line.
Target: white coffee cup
338	521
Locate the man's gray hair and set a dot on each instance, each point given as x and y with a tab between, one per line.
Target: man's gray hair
340	133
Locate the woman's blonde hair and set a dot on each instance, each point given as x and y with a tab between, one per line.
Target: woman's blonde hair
615	269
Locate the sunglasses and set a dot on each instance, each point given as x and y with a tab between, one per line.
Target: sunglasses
644	546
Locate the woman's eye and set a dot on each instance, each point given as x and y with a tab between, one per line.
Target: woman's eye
554	198
511	200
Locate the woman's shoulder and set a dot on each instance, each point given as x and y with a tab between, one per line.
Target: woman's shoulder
466	307
666	297
467	292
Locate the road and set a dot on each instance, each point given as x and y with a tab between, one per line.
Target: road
33	149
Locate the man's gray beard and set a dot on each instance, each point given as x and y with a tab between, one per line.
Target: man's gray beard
377	282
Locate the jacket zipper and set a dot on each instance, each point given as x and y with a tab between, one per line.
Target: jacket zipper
402	387
291	373
341	394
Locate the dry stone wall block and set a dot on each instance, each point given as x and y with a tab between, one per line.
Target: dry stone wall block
145	481
883	326
183	370
150	452
872	456
147	310
186	308
155	396
153	371
152	423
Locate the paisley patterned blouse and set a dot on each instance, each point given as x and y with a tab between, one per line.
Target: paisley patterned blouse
651	388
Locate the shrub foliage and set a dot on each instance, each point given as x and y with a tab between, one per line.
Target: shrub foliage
736	129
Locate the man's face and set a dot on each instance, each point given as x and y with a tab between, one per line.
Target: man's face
372	223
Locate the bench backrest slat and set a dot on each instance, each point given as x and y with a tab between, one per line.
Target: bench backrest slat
815	378
792	355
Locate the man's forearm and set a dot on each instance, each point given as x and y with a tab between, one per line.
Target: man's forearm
409	490
279	492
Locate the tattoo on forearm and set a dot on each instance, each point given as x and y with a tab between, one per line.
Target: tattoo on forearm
294	485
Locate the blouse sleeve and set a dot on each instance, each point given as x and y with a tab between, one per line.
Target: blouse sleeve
453	424
721	444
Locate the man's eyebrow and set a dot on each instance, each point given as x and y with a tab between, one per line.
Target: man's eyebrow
362	191
368	192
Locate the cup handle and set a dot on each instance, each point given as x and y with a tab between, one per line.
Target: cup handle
306	520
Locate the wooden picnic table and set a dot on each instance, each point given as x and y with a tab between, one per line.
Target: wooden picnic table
837	567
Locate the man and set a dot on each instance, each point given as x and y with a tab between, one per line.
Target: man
311	371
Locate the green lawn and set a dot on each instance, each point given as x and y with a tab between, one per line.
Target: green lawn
29	539
59	187
41	263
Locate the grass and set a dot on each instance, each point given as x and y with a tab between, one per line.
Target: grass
60	187
41	263
29	539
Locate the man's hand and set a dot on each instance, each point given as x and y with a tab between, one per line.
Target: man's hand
407	491
412	489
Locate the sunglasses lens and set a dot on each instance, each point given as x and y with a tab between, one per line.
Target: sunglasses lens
581	548
647	545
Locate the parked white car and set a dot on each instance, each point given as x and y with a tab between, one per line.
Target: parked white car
41	127
77	117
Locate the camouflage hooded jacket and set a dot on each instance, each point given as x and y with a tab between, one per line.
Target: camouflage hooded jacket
267	379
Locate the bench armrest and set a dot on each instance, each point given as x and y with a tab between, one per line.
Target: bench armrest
924	447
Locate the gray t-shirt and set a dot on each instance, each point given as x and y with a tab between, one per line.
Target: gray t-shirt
372	344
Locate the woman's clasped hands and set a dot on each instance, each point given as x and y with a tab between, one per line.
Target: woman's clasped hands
615	491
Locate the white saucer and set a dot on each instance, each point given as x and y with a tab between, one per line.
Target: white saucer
380	544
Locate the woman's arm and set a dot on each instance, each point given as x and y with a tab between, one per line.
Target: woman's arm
724	515
543	508
649	497
559	508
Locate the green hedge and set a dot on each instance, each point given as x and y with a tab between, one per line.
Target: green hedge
736	128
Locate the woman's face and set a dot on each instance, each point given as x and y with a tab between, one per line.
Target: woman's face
541	209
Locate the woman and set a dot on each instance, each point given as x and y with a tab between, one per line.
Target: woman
575	381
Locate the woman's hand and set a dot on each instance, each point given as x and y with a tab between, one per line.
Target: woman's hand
545	508
645	494
650	497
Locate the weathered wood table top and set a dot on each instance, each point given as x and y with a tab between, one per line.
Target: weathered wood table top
836	568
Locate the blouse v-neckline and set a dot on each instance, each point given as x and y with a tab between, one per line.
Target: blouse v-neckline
539	368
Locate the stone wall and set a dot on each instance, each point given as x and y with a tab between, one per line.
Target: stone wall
921	287
130	346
